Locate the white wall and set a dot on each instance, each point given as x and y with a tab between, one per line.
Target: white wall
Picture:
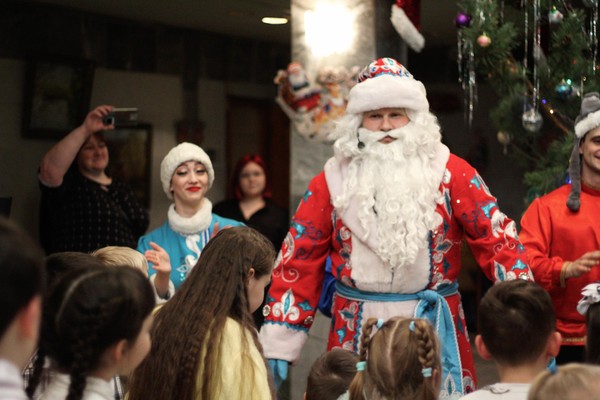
160	102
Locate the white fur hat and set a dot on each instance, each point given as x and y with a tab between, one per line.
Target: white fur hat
588	119
590	114
385	83
179	154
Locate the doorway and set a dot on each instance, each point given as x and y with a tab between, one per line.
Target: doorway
259	126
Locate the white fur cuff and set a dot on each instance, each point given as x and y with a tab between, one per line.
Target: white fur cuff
280	342
405	28
591	121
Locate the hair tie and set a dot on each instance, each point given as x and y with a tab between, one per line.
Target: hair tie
591	295
411	326
380	323
552	366
360	366
427	372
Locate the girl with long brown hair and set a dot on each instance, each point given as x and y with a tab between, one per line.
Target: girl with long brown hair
205	343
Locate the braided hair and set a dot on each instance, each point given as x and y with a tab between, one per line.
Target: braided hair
402	361
85	313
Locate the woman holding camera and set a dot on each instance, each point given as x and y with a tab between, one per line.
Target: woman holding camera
82	207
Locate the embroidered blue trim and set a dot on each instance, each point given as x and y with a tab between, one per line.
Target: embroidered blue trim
432	306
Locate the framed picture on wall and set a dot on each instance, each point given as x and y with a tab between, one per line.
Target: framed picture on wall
130	153
57	96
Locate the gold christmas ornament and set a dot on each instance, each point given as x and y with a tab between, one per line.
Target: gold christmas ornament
484	40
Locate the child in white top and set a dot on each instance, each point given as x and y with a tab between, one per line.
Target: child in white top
21	268
95	325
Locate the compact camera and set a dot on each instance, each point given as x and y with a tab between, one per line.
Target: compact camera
121	117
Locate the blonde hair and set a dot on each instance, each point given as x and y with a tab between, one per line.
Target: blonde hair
114	256
402	361
570	382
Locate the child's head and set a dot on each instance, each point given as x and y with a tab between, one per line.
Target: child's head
120	255
227	282
58	264
589	305
231	274
402	361
520	309
21	284
570	382
97	319
331	374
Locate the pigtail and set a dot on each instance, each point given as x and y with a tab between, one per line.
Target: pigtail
427	355
83	353
77	385
86	348
426	349
356	389
37	372
87	312
403	361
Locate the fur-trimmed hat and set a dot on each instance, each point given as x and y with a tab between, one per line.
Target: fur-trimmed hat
385	83
588	119
178	155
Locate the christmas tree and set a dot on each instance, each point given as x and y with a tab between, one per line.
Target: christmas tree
539	56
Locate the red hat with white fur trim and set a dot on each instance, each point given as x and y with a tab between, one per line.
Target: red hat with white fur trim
385	83
406	20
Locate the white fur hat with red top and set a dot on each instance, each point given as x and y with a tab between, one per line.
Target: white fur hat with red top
385	83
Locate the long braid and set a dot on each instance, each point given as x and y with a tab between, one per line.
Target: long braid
37	372
427	355
357	387
365	338
426	349
85	347
403	361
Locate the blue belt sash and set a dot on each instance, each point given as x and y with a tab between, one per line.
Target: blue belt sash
432	306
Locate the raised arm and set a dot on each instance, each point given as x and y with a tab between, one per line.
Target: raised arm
59	158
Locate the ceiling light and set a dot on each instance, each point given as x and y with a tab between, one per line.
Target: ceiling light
329	29
274	20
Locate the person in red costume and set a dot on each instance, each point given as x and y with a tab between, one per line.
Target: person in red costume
563	240
390	209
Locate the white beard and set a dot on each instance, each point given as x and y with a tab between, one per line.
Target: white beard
395	185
